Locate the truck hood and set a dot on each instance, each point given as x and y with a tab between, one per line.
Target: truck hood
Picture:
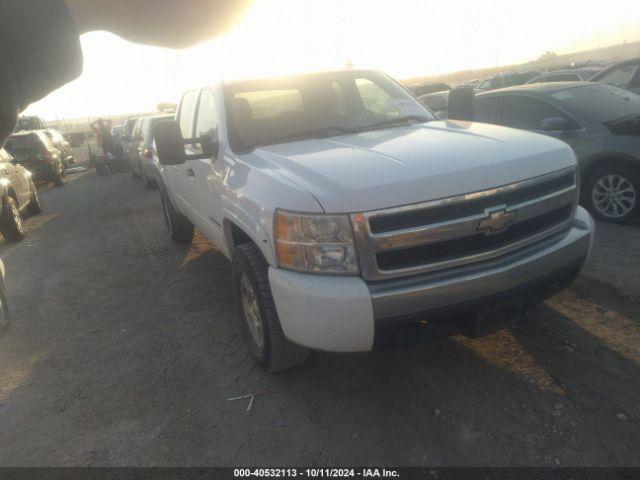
412	164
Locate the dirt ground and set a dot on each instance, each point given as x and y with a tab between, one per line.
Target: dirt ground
125	350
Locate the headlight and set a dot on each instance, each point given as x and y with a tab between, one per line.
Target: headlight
315	243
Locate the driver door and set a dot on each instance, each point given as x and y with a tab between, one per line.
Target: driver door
206	175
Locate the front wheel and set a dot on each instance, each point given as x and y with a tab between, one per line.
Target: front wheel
612	194
11	222
179	226
149	183
34	207
58	175
259	319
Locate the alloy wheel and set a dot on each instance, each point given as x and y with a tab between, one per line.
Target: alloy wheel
614	196
251	310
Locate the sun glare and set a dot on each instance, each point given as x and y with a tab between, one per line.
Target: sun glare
405	38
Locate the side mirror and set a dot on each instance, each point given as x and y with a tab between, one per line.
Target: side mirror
461	102
169	143
555	124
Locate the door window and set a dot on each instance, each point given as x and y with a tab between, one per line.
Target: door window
207	120
526	113
621	77
187	110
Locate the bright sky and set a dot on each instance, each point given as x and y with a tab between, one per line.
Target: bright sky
405	38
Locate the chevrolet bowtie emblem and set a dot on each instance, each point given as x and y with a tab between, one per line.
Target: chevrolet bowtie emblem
496	221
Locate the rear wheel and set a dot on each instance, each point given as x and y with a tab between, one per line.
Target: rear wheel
179	226
57	176
34	207
612	194
149	183
259	319
11	222
103	170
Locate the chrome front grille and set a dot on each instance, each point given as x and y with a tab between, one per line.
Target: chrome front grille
461	230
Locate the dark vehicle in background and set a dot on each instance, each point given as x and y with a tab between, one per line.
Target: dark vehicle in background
29	123
420	89
142	152
571	75
63	146
126	140
19	194
510	79
600	122
35	152
76	139
624	75
437	102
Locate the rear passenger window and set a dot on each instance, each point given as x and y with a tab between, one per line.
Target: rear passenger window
187	110
526	113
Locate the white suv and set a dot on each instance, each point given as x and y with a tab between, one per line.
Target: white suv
355	220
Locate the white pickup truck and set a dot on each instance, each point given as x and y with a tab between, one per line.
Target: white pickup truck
355	220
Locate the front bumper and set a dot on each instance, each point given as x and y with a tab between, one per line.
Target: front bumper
345	314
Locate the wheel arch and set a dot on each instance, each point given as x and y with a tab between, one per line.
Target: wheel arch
236	233
8	191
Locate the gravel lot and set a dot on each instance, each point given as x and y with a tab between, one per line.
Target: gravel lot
124	350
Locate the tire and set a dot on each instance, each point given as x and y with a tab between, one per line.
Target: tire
258	316
149	183
612	194
34	207
11	222
103	170
134	173
57	176
179	227
4	311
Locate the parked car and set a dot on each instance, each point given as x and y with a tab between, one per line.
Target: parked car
624	75
429	87
507	80
600	122
4	307
571	75
29	123
142	152
35	151
127	136
63	146
355	220
19	194
131	145
76	139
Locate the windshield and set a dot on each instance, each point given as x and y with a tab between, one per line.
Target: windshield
599	103
265	112
23	145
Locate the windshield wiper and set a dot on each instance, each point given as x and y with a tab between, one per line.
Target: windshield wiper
322	132
396	121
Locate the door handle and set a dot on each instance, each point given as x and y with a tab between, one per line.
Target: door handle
190	172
